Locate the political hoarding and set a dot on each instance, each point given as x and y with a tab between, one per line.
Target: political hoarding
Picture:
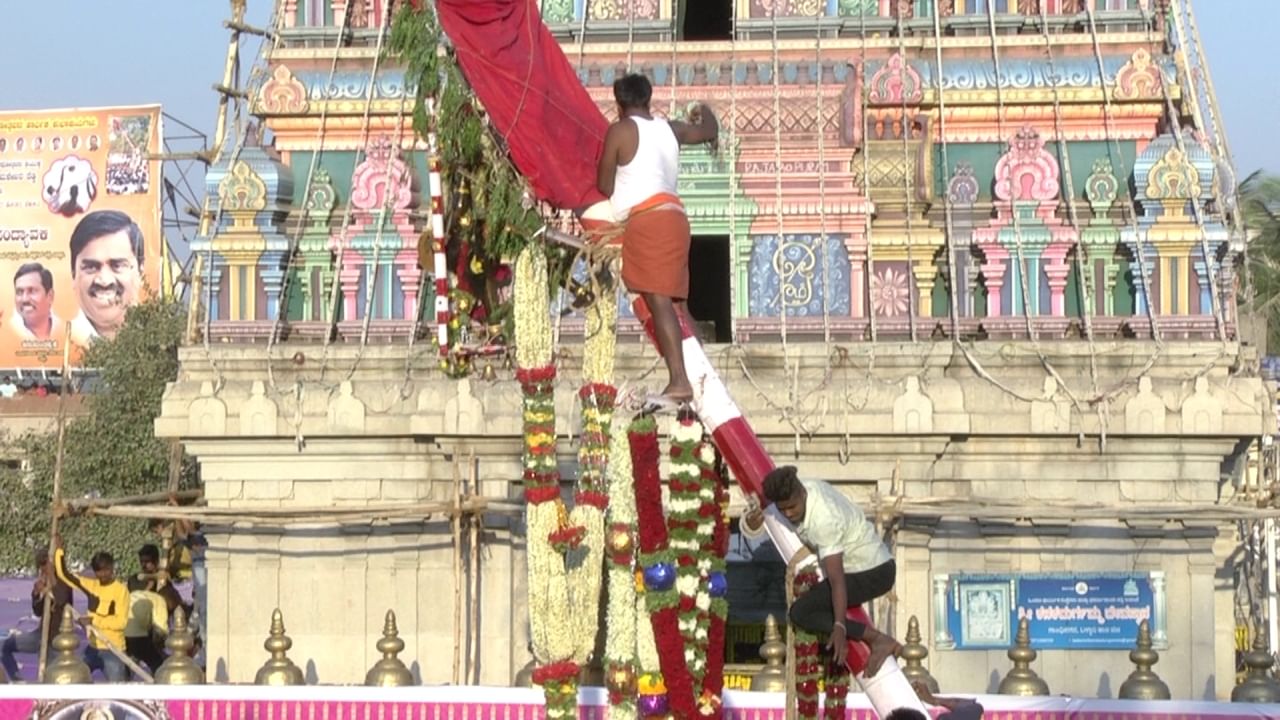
80	230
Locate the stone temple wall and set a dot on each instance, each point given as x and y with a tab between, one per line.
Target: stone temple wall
345	427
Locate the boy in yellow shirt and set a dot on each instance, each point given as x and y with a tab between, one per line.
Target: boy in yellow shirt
108	610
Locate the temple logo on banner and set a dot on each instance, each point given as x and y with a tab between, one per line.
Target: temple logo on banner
1100	611
100	710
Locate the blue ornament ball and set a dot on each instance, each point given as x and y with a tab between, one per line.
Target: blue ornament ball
653	705
659	577
717	585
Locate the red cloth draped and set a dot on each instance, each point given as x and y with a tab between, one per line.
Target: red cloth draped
533	96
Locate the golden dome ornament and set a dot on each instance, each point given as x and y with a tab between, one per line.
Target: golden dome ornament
279	670
1022	680
179	668
65	666
773	676
390	671
1143	683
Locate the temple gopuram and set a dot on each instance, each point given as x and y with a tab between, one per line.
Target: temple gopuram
975	262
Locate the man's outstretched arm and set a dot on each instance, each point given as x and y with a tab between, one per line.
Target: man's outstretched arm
703	127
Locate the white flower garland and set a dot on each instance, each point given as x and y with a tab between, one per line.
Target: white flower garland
601	339
584	582
532	309
621	635
549	610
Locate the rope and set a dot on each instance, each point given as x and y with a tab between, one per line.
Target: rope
1023	273
1081	254
822	181
282	306
1115	155
1215	303
388	197
948	209
908	186
256	76
362	152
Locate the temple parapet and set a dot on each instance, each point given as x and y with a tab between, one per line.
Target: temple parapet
868	182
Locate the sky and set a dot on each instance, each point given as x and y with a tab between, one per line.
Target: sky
81	53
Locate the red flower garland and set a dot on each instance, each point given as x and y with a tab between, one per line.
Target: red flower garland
643	436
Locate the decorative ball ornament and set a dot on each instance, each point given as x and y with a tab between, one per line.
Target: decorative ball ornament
652	684
444	364
454	323
464	304
622	680
660	576
464	221
653	705
717	585
620	542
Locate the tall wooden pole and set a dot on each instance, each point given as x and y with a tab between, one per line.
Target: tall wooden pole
56	502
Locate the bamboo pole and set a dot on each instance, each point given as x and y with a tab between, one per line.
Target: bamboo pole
93	504
56	501
457	574
473	624
124	658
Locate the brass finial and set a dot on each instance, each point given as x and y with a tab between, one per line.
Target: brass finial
1143	683
279	669
65	667
389	671
1022	680
179	668
1259	685
913	654
773	676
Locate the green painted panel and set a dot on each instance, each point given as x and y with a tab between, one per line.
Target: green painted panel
984	157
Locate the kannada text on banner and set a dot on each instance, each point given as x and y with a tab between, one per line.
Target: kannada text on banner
80	233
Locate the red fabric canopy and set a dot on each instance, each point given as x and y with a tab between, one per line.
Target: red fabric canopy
533	96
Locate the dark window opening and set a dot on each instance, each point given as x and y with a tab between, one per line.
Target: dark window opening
706	20
710	301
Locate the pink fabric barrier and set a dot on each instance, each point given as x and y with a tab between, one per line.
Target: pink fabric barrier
247	702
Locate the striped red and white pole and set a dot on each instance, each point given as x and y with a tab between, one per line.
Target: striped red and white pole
439	269
889	688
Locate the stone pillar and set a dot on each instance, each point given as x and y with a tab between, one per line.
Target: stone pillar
926	274
994	271
410	275
1141	266
1206	287
857	276
272	282
942	638
1056	269
352	268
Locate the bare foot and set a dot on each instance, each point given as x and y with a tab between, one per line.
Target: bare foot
679	392
881	648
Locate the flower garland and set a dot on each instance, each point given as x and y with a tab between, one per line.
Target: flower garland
659	577
808	658
810	666
683	529
549	532
597	397
620	650
713	531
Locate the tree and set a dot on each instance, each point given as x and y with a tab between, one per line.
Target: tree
1260	205
111	450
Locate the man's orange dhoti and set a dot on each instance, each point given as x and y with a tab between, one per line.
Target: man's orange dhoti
655	241
655	248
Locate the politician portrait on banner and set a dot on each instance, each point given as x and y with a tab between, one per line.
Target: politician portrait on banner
79	221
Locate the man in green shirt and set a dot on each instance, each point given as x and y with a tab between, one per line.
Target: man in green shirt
850	551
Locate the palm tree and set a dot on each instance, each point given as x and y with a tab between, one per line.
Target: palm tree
1259	197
